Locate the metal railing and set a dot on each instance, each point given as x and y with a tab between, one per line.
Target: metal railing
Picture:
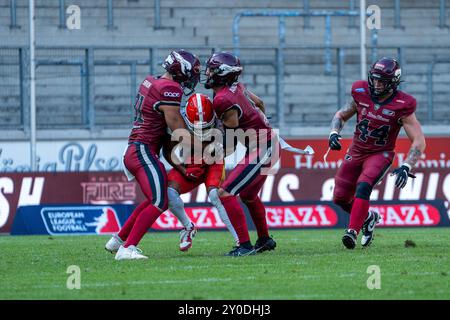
442	14
157	10
62	14
87	63
397	16
282	28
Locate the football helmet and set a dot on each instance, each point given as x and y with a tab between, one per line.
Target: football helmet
388	71
199	115
184	68
222	68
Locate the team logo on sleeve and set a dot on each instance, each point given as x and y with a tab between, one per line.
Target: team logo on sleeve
360	90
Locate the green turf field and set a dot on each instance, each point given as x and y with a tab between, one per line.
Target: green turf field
307	264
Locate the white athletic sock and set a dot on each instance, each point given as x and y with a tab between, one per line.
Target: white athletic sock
176	206
215	200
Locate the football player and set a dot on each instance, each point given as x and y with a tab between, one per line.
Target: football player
157	107
184	177
381	110
238	108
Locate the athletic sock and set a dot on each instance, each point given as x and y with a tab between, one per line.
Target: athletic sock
126	229
358	214
347	207
143	222
258	214
176	206
237	217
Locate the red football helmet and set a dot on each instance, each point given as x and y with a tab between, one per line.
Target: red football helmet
388	72
200	116
184	68
222	68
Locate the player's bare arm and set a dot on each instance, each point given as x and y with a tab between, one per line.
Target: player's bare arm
173	117
175	121
414	132
343	115
230	120
339	119
171	157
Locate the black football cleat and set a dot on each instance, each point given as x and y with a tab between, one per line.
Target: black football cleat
349	238
265	244
241	251
369	227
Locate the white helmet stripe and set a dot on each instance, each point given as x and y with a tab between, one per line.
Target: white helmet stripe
200	107
185	65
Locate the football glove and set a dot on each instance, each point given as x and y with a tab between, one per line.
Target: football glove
402	176
333	141
194	172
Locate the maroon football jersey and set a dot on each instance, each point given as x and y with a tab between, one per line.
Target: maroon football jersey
378	125
250	116
149	125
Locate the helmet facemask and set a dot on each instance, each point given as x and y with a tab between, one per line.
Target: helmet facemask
203	131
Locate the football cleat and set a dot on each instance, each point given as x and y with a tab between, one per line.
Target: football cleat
265	244
129	253
114	244
186	237
369	227
241	251
349	238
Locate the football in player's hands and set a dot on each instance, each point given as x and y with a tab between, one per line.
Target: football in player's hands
402	174
333	141
194	172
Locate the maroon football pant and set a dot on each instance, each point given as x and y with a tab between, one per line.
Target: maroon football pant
357	168
151	175
246	180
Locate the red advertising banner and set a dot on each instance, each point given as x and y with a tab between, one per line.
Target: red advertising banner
410	215
289	185
437	153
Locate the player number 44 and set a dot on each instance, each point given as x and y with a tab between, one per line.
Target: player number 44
380	133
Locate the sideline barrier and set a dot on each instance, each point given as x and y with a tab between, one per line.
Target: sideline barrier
107	219
112	188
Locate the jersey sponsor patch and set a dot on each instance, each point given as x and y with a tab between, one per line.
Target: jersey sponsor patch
171	94
388	112
360	90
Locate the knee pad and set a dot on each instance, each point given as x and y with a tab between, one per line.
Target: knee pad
363	190
174	198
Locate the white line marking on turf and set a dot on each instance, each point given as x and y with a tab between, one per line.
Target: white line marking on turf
144	282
